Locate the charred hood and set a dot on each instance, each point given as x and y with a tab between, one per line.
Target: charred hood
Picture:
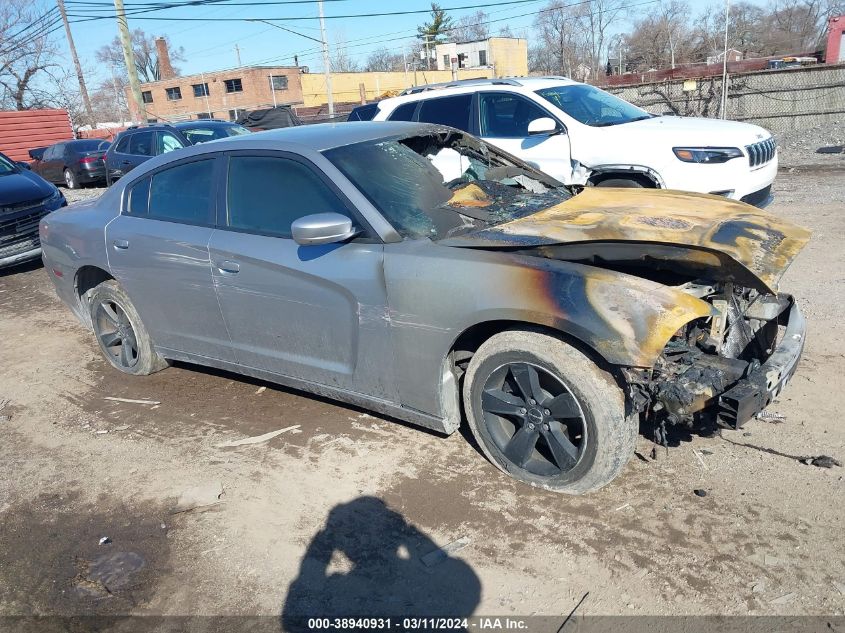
694	234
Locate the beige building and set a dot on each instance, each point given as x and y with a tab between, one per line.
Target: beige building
504	56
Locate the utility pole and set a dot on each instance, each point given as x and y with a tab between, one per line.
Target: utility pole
129	58
238	53
76	64
326	64
724	104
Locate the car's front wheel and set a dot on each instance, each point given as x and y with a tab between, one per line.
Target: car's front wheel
546	414
122	337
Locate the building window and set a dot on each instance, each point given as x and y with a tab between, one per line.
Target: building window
447	64
173	94
147	96
205	115
200	90
233	85
152	120
482	58
233	115
280	82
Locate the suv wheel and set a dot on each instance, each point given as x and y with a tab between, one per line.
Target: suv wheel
623	183
122	337
546	414
70	180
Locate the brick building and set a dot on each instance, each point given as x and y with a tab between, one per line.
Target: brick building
505	56
221	94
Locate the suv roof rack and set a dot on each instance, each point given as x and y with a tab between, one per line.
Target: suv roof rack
480	81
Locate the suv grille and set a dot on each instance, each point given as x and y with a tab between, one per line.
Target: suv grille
19	228
761	153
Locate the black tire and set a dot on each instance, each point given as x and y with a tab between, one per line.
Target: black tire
604	437
71	181
121	335
622	183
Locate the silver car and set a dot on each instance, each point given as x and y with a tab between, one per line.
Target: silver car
416	271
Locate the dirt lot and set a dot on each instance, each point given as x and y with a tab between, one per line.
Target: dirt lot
333	516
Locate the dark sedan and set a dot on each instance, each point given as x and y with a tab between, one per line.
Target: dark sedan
25	198
72	163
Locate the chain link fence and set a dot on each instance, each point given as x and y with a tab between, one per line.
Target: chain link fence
779	100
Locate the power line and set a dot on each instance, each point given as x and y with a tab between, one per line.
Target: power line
296	18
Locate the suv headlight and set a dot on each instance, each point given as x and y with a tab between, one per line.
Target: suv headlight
707	154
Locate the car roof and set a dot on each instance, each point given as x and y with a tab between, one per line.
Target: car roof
322	136
470	86
183	124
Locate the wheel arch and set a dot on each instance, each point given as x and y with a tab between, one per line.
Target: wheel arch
639	173
85	280
465	344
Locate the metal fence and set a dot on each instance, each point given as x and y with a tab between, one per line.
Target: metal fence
778	99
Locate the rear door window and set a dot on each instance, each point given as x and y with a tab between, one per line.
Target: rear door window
404	112
453	111
183	193
167	142
122	146
141	144
266	194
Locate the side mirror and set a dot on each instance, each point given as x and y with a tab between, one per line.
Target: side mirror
23	164
322	228
37	153
543	125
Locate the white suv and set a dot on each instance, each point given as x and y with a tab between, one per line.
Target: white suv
584	136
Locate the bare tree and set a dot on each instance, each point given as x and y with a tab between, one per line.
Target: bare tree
661	37
146	55
341	61
594	20
26	52
559	48
383	60
470	28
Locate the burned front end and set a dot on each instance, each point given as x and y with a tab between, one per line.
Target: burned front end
724	368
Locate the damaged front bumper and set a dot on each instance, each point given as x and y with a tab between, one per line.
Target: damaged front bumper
756	391
689	385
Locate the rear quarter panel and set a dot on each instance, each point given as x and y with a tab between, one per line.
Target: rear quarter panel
73	237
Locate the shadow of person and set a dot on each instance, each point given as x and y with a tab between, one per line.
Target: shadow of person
366	563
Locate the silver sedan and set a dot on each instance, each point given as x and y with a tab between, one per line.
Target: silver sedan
418	272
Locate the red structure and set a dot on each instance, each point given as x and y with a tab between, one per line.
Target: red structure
835	40
23	130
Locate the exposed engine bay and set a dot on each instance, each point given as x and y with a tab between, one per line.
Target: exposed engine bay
707	358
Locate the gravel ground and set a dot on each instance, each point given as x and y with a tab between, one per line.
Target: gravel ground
798	148
334	515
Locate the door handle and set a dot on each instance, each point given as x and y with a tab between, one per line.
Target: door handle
121	244
125	162
229	267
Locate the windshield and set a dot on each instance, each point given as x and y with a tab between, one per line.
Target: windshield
7	166
592	106
445	183
205	133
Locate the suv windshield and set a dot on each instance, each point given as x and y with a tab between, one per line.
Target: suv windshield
7	166
204	133
592	106
444	183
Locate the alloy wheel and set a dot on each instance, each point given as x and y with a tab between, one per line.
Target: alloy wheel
116	335
534	420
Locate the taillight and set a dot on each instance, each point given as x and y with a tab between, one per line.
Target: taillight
89	160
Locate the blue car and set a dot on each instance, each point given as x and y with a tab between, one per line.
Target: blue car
25	198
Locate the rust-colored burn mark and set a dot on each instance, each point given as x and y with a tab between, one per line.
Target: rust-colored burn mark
470	196
621	317
762	243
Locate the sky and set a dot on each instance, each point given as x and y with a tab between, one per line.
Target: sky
211	45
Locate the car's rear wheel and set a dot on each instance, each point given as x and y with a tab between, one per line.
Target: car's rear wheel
122	337
546	414
71	180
